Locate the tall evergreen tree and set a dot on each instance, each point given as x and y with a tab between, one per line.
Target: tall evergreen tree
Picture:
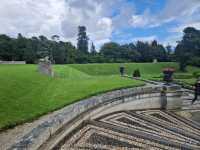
93	49
82	44
21	46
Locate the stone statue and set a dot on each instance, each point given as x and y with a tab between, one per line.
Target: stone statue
45	67
121	70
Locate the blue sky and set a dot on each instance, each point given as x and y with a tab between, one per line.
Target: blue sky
166	32
128	32
122	21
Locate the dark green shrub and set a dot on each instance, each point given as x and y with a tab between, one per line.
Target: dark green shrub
136	73
196	74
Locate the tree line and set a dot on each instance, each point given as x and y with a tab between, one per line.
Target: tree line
30	50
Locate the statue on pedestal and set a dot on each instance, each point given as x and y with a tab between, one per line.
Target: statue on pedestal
45	67
121	70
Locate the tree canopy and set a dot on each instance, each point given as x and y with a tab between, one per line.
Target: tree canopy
188	49
139	52
31	49
82	43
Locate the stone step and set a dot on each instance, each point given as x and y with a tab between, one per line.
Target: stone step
140	135
127	121
174	128
192	123
144	129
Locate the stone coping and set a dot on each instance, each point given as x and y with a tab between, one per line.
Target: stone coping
40	133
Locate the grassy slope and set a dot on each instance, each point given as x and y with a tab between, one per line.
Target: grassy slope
113	68
192	80
147	70
25	94
110	69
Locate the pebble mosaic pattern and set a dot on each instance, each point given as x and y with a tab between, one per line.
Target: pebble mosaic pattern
150	129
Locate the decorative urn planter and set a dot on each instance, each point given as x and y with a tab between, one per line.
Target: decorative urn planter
168	73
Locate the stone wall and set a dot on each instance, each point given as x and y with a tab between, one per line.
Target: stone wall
68	118
12	62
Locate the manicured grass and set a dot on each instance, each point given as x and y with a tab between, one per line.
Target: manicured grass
25	94
152	71
146	69
188	81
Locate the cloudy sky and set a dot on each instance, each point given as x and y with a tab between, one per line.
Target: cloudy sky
106	20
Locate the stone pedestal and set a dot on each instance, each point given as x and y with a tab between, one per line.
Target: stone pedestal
171	97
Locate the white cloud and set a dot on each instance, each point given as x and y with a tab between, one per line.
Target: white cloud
104	22
31	17
186	11
61	17
178	10
183	26
172	40
125	12
138	20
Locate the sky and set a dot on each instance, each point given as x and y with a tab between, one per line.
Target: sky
121	21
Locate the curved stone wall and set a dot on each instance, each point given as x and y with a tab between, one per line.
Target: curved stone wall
48	133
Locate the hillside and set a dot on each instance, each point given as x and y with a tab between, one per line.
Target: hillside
25	94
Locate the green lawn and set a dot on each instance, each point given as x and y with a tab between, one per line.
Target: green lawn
146	69
25	94
188	81
151	71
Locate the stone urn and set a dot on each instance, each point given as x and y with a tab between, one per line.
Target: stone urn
168	74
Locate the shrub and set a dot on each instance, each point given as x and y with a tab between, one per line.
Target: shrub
136	73
196	74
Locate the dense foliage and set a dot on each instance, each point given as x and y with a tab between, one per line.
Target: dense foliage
31	49
140	52
188	49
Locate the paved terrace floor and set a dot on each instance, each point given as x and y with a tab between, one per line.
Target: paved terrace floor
148	129
143	129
